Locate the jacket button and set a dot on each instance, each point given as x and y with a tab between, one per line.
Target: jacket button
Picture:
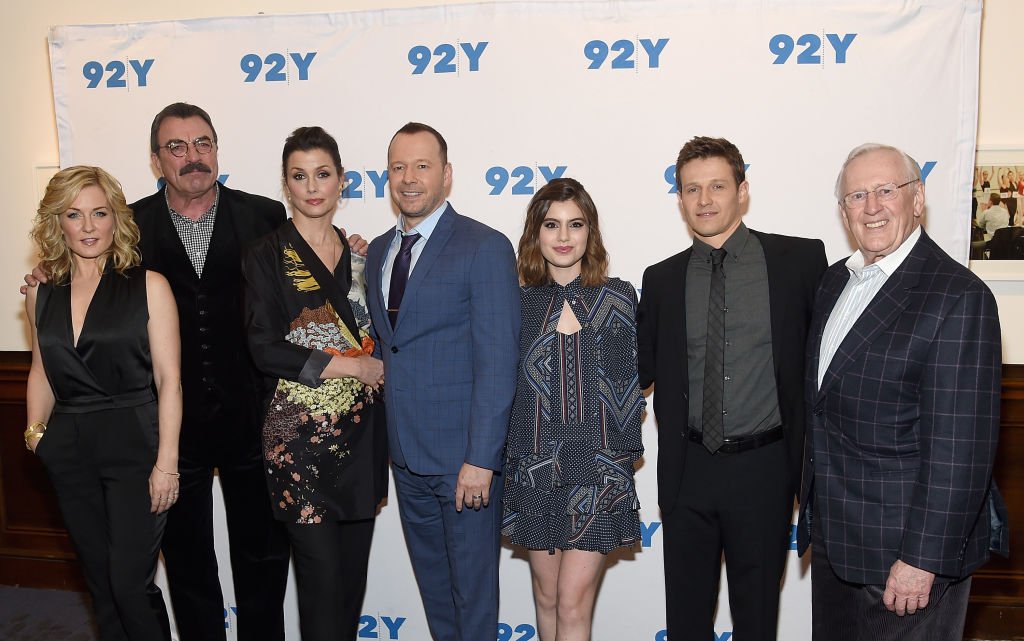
394	350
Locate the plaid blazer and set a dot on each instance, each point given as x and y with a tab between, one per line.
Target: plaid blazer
902	433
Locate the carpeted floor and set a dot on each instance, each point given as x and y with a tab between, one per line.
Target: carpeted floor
44	615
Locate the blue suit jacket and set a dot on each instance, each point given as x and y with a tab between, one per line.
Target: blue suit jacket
450	362
902	434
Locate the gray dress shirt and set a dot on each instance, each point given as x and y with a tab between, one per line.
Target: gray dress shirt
751	397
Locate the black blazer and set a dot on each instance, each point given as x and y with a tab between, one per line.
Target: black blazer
794	267
216	371
903	430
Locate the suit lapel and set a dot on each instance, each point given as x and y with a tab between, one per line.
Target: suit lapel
170	240
431	252
880	314
375	256
777	286
678	312
828	294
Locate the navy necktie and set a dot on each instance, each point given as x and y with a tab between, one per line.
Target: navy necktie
712	419
400	276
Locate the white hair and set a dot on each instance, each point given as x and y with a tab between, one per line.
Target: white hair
913	169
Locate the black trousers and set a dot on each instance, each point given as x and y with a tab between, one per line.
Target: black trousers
331	561
740	505
229	442
99	463
843	611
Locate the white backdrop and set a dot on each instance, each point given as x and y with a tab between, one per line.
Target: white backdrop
606	92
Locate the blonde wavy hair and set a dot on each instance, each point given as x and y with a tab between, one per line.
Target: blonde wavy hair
61	192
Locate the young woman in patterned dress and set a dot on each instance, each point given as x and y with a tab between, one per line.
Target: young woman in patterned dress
574	434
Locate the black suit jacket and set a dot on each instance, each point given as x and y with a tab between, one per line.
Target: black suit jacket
216	372
794	267
903	430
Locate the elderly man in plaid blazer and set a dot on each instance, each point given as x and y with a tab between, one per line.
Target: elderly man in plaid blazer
903	385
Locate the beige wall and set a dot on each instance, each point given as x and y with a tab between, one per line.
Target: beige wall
28	136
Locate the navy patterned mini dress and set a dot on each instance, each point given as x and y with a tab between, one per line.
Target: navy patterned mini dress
574	433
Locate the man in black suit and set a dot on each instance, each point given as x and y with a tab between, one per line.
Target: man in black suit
722	335
193	232
903	385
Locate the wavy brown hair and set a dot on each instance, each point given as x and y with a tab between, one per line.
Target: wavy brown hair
533	269
61	192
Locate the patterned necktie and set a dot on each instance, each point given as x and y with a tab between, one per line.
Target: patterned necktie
400	276
712	420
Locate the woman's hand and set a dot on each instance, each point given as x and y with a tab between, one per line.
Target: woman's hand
33	442
369	370
163	490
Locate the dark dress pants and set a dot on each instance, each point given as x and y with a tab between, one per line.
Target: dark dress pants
843	611
454	554
740	504
99	463
229	442
331	561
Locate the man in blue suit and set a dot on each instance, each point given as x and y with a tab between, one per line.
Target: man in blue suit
903	387
444	299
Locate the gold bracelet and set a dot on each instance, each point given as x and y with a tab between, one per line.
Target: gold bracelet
35	430
176	475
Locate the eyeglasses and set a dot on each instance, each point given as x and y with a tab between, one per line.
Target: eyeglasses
179	148
888	191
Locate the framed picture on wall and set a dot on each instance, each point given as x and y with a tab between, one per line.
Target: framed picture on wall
997	207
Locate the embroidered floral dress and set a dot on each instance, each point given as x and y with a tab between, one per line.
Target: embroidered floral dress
574	434
324	441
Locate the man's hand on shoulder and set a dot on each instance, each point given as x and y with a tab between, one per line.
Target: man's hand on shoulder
907	588
357	243
37	276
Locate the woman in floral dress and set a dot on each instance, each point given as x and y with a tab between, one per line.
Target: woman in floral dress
324	440
574	434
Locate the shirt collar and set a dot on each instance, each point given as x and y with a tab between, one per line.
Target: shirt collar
212	211
733	245
889	264
425	227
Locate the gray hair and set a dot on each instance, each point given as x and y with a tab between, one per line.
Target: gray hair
913	169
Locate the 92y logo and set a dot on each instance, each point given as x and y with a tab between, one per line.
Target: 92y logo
116	70
447	56
499	177
276	63
624	52
783	45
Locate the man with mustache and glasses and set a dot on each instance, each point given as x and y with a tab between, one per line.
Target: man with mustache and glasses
194	231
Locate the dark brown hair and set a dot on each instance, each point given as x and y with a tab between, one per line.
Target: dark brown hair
533	268
419	127
181	110
702	147
308	139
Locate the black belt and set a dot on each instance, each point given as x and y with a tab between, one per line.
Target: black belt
98	403
743	443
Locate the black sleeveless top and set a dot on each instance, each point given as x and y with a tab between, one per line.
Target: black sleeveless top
111	365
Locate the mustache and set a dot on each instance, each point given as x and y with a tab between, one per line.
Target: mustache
195	166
